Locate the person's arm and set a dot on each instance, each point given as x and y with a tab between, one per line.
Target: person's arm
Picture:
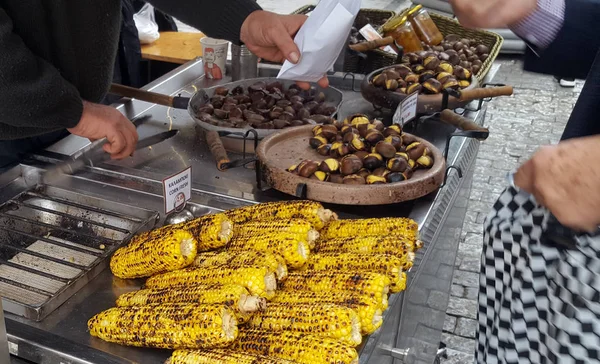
573	49
33	94
216	18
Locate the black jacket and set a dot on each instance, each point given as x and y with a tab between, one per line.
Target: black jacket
575	53
54	53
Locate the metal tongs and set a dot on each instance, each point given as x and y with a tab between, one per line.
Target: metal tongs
94	153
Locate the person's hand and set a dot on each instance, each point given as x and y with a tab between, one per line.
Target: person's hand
565	178
270	36
100	121
491	13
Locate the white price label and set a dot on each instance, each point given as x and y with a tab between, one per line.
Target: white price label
177	189
407	109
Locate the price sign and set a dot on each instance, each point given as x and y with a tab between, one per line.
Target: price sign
407	110
177	190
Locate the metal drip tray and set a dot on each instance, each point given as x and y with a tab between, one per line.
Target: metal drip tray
53	241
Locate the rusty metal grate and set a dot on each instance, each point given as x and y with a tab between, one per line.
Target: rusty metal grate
53	241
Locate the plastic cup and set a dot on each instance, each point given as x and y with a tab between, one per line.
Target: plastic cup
214	55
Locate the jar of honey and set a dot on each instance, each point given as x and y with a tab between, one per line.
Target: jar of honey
404	35
424	26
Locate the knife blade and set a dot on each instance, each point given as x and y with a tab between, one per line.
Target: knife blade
95	155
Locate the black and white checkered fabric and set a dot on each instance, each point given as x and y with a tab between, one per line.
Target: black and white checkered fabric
537	303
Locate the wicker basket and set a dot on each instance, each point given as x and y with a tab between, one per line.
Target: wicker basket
492	40
375	59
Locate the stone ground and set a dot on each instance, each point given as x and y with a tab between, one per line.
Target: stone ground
535	115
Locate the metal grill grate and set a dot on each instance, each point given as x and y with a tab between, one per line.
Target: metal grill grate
52	241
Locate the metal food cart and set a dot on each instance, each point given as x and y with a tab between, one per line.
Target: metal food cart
125	197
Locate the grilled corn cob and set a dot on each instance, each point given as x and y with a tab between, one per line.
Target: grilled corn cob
211	231
386	244
294	251
298	227
221	356
376	226
259	281
388	265
243	259
154	252
167	326
302	348
326	320
369	310
373	285
232	295
311	211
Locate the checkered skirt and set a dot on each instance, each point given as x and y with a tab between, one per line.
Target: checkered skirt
537	303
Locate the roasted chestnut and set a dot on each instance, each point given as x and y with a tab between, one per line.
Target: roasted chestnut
425	76
391	74
432	86
451	83
424	161
320	176
397	164
395	140
482	49
317	141
462	73
307	168
394	129
416	149
328	132
375	180
223	91
356	144
445	67
336	178
381	171
403	70
415	87
324	149
395	177
391	84
379	80
280	124
364	173
378	124
373	161
414	58
431	63
373	136
411	78
387	150
354	179
350	164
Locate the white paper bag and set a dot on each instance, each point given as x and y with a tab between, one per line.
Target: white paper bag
321	40
146	24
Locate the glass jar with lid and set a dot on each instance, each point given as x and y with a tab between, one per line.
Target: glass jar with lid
424	26
404	35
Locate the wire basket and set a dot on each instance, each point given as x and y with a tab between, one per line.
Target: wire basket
364	63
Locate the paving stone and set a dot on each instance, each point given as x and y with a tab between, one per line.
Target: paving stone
458	357
449	324
465	327
438	300
470	265
471	293
459	343
457	290
467	279
462	307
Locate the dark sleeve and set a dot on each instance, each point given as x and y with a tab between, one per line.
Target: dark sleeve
216	18
572	52
32	92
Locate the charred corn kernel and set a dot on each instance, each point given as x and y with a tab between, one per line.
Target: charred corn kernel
259	281
299	347
232	295
311	211
294	251
369	311
302	228
167	326
154	252
326	320
221	356
388	265
374	285
388	244
243	259
211	231
375	226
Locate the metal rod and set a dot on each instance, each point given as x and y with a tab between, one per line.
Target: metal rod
33	271
84	207
38	223
47	257
63	214
98	253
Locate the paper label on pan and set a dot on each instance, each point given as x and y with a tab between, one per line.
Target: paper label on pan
407	109
177	189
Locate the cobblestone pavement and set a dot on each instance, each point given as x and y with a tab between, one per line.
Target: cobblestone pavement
535	115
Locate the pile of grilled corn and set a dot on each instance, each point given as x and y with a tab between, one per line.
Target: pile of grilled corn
279	283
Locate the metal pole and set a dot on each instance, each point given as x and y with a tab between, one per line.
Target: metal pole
4	355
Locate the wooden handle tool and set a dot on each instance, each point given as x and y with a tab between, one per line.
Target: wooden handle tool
371	44
215	144
485	92
148	96
450	117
